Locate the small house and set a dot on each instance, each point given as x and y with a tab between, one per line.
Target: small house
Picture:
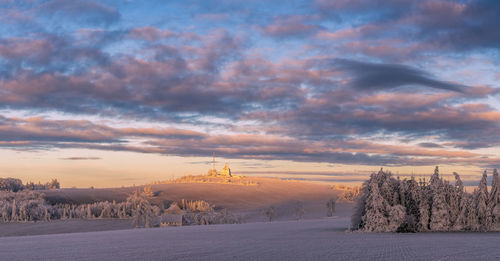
169	220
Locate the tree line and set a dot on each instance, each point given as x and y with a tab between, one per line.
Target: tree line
388	204
28	206
15	185
25	206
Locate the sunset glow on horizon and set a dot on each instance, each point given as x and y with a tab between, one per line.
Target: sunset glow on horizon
117	93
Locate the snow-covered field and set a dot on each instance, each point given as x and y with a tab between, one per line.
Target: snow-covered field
63	226
315	238
318	239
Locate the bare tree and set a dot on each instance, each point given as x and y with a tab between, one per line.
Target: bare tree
330	207
299	210
270	213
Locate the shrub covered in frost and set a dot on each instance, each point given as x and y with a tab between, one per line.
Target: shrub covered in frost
195	205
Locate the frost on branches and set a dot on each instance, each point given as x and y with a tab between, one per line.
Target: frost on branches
393	205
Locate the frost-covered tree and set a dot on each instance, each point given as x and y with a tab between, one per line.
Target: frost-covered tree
142	212
106	210
397	215
472	219
388	204
481	204
359	209
453	201
424	209
461	222
11	184
458	204
410	196
375	217
387	187
14	211
494	202
53	184
440	216
196	205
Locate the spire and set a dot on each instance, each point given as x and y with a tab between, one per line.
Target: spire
212	171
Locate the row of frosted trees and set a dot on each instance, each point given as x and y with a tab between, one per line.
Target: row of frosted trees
26	206
23	206
15	185
393	205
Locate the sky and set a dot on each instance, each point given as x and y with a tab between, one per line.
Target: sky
115	93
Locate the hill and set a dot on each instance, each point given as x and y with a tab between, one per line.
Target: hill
246	196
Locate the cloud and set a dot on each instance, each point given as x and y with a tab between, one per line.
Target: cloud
150	33
291	26
429	145
49	53
360	5
302	82
420	27
44	130
472	25
39	133
82	12
372	76
272	95
59	75
81	158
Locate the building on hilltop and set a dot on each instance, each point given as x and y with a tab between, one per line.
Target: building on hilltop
226	171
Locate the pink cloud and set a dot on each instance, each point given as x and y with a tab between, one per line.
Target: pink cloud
293	25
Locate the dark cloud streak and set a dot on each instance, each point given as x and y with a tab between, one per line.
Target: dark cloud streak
81	158
371	76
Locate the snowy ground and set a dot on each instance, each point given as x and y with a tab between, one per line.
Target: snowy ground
320	239
62	226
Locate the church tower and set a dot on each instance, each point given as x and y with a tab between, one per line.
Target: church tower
226	171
